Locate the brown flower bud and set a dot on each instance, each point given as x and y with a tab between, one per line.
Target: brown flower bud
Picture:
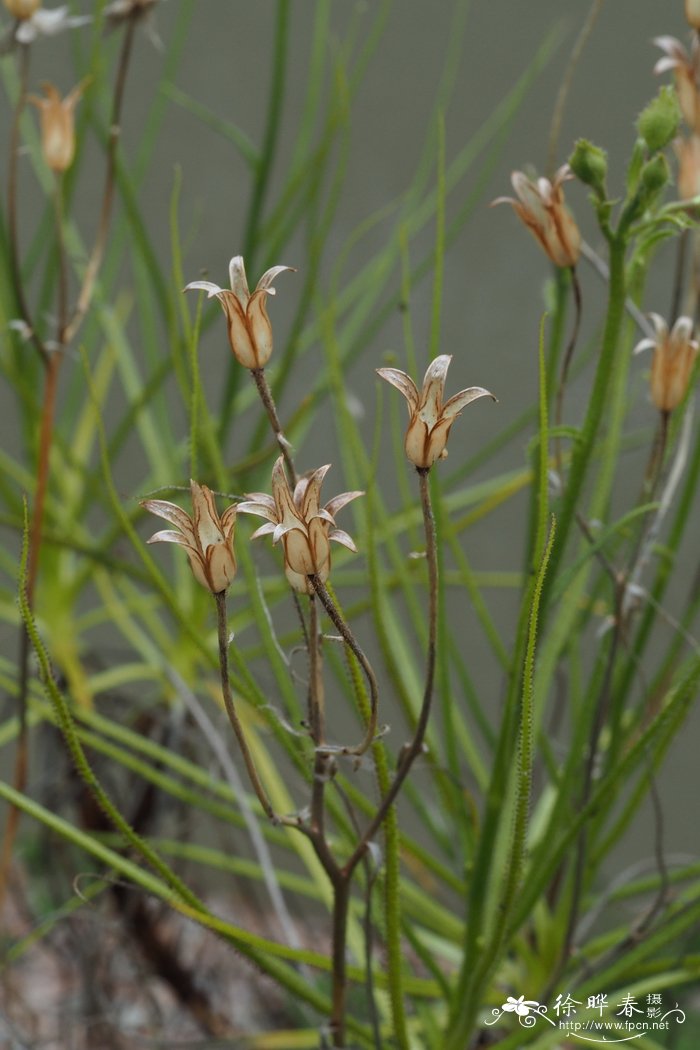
304	527
57	125
692	13
541	207
249	328
206	537
22	8
672	365
430	420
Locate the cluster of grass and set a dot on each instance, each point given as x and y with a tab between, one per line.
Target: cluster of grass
484	881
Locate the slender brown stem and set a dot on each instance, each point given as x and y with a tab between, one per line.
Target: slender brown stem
62	268
21	767
268	401
349	639
98	250
317	725
411	751
222	621
341	904
566	363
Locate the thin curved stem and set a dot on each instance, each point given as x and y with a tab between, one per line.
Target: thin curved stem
98	250
62	311
222	623
415	748
317	726
349	639
271	410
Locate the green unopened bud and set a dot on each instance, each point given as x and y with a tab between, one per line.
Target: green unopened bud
589	163
658	123
655	175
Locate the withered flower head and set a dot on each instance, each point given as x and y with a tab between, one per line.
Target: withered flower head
206	537
430	419
249	328
692	13
301	523
674	357
119	12
688	154
58	125
22	8
540	205
34	21
685	71
122	10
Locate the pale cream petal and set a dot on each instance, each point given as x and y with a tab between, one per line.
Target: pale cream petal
644	344
171	512
416	443
168	536
338	502
311	494
297	552
681	331
403	383
264	530
430	405
529	197
342	537
238	334
263	510
260	328
265	282
452	408
221	567
287	513
239	281
199	569
205	517
204	286
228	520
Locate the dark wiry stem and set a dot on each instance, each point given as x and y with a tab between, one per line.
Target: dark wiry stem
95	261
253	775
317	726
412	750
271	410
349	639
